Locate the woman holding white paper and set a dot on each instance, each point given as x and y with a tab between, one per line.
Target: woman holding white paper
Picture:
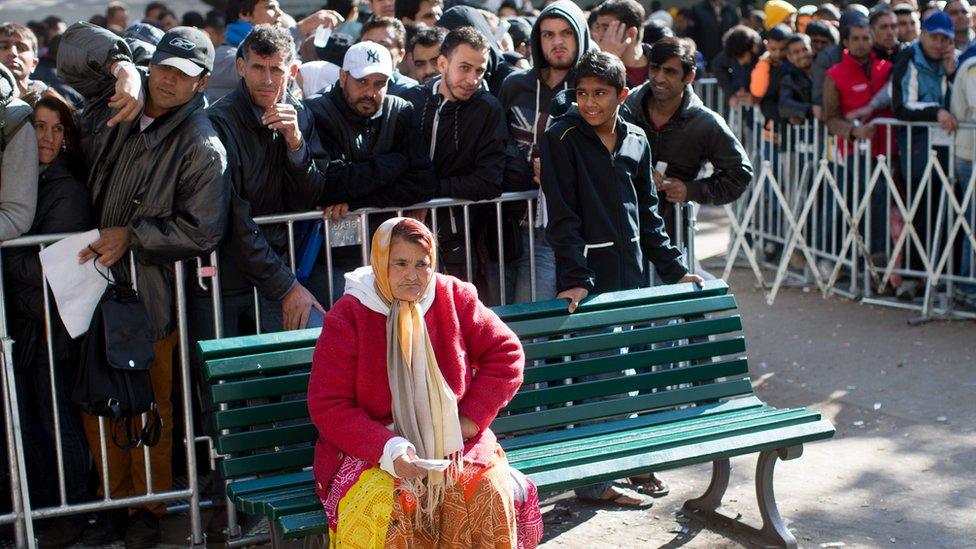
63	206
408	373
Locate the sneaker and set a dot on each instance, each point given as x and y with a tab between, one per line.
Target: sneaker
109	527
142	531
61	531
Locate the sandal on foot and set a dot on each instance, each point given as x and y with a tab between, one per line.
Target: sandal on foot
623	497
651	485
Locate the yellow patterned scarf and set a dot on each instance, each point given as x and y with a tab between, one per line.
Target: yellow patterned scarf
425	410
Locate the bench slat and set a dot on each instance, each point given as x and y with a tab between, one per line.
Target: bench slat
311	523
243	487
260	387
612	300
624	384
261	414
705	451
265	463
655	438
734	406
267	438
621	406
257	344
252	364
629	338
299	503
582	322
639	359
257	502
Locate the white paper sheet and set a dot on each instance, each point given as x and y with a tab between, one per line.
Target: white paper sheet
76	288
433	464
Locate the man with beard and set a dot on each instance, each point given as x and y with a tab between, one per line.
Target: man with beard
463	129
559	39
795	104
371	134
685	135
424	48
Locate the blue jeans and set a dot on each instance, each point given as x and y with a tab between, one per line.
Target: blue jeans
518	284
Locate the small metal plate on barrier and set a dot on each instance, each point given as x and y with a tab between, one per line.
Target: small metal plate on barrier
346	232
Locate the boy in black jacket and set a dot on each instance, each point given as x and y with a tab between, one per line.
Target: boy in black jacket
602	205
591	157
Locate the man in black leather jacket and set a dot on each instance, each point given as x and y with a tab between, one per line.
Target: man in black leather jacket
269	137
159	187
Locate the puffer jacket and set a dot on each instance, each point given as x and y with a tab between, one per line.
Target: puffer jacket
603	219
694	136
167	184
264	181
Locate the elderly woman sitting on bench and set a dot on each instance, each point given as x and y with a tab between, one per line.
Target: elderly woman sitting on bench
409	372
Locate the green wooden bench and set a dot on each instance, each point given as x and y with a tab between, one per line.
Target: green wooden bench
696	406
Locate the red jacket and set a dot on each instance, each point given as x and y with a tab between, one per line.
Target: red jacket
856	91
349	396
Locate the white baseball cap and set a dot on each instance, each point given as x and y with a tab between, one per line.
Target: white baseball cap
367	58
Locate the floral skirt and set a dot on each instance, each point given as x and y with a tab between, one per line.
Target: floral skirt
491	505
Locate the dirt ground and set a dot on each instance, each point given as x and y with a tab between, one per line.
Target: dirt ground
900	471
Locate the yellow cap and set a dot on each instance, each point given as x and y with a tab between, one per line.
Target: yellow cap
777	11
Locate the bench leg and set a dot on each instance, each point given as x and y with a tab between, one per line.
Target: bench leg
712	498
774	530
707	508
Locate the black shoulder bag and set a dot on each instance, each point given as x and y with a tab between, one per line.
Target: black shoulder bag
113	377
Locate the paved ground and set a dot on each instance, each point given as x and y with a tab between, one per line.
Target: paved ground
900	472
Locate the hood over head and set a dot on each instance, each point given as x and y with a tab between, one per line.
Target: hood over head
572	13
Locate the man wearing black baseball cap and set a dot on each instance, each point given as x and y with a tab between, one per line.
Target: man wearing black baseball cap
159	187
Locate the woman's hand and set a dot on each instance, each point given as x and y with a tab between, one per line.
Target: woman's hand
692	278
469	429
405	468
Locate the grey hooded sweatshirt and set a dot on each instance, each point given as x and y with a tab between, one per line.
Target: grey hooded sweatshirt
527	98
18	182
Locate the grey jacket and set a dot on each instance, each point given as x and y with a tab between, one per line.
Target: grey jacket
167	184
18	184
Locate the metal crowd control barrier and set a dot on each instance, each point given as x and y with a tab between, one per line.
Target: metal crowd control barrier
24	513
859	218
207	277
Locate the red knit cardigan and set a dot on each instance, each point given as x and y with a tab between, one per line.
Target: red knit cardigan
349	396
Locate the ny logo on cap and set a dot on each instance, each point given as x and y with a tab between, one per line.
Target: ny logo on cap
372	56
182	43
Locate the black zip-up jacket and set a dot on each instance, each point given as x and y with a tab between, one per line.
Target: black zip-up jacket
469	152
382	157
264	181
168	184
694	136
63	206
795	93
603	219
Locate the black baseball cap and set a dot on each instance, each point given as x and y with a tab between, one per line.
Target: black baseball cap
185	48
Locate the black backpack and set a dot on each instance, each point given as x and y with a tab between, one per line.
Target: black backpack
113	377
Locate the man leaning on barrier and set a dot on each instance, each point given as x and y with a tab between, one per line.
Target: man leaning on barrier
372	146
268	135
685	135
159	189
